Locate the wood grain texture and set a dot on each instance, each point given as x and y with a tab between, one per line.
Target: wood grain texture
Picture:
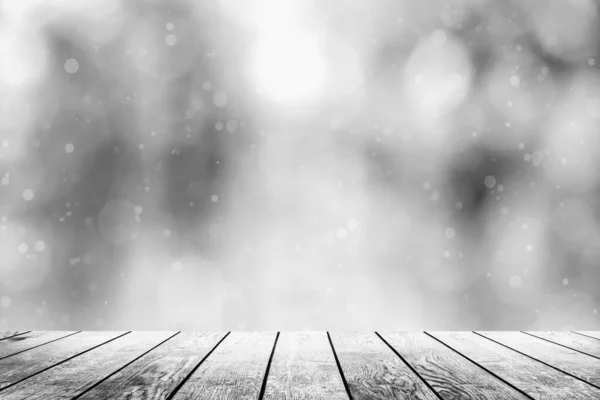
17	344
156	374
304	367
16	368
537	380
235	370
580	365
572	340
374	371
450	374
74	376
8	334
593	334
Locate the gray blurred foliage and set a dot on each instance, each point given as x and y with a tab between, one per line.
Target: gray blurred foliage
299	165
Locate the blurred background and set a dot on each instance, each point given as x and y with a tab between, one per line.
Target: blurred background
289	164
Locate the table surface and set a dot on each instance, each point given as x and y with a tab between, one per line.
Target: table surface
299	365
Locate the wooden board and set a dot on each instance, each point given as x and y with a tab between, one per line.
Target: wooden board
235	370
9	334
157	374
584	344
304	367
374	371
30	340
17	368
449	373
75	376
537	380
579	365
592	334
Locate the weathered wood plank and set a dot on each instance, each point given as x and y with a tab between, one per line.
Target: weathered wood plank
572	340
17	368
75	376
373	371
537	380
304	367
235	370
580	365
30	340
8	334
592	334
449	373
157	374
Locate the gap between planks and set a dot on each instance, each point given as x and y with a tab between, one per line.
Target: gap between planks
341	371
540	361
123	367
410	366
481	366
559	344
178	387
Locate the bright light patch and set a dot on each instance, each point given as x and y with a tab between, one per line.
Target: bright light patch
288	65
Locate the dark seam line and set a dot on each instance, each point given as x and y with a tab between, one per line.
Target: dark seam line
583	334
337	361
482	367
561	345
410	367
64	361
16	334
122	368
35	347
542	362
189	375
263	387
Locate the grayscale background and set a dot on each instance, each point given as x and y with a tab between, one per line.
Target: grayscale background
288	164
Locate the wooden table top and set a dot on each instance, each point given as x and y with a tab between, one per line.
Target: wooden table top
299	365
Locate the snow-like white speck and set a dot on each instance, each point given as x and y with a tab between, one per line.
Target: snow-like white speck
177	266
450	233
169	26
71	66
5	144
232	126
138	209
23	248
5	301
593	107
351	224
515	281
565	281
342	233
40	245
69	148
219	126
214	198
529	247
171	39
28	194
220	99
514	80
490	181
